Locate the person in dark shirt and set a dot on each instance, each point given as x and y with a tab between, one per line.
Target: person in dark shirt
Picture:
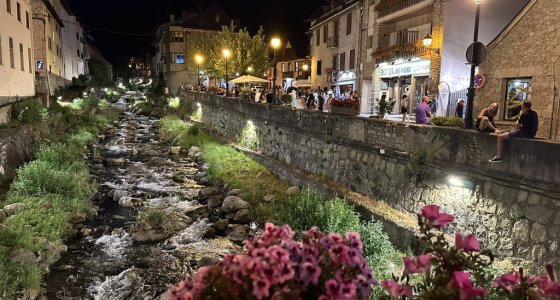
269	97
526	128
460	109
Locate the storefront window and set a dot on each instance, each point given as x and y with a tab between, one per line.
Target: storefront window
518	90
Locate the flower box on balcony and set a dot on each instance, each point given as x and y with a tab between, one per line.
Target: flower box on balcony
347	111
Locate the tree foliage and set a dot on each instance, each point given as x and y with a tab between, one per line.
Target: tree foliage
246	51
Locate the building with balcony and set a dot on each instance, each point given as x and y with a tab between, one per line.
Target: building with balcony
418	48
172	56
16	53
335	45
293	70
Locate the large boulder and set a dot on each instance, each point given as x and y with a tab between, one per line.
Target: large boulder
118	194
130	202
198	212
215	201
205	193
239	234
234	192
23	256
233	204
175	150
148	229
193	151
14	208
221	226
243	216
292	191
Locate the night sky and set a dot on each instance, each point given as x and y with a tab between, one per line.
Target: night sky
123	28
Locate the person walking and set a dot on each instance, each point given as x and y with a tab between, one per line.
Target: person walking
460	109
404	108
321	101
423	111
293	93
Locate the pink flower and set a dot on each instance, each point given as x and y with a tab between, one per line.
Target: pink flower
462	281
310	272
468	243
339	253
507	281
261	288
354	241
395	289
550	288
417	264
333	289
434	218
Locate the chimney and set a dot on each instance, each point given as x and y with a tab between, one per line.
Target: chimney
172	18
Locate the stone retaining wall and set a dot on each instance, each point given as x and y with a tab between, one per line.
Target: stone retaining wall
16	147
513	207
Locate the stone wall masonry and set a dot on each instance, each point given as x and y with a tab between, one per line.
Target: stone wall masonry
513	207
16	147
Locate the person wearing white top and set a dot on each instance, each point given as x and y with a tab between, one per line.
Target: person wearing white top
294	98
258	96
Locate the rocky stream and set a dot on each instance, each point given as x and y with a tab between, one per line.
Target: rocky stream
158	218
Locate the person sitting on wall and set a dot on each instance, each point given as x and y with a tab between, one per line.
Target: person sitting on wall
423	111
485	120
526	127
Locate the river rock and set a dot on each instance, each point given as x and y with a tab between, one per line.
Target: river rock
23	256
70	234
149	152
198	212
85	232
292	190
204	180
234	192
114	161
118	194
101	230
2	216
135	168
215	201
79	217
209	234
205	167
206	261
221	226
193	150
178	178
243	216
175	150
130	202
12	209
268	198
233	204
239	233
205	193
153	230
199	175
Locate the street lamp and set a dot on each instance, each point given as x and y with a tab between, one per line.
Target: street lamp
275	43
227	54
427	41
199	59
250	70
471	90
305	67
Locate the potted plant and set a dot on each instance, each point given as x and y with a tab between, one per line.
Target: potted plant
347	107
385	106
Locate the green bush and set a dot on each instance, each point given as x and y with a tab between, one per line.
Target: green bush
29	111
448	121
174	102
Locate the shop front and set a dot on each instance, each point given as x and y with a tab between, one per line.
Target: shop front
346	84
410	78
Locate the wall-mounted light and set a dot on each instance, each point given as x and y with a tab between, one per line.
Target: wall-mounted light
427	41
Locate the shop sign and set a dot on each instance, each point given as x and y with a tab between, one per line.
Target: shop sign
408	68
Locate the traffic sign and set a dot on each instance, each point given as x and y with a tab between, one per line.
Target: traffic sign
39	65
479	80
480	51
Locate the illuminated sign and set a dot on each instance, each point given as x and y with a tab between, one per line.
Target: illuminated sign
408	68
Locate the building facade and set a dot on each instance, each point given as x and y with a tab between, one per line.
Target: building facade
293	70
73	40
335	46
172	57
16	51
515	73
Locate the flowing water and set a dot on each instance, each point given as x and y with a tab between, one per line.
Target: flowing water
104	261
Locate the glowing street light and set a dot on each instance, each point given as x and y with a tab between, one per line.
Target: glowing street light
227	54
199	60
275	44
305	67
427	41
250	70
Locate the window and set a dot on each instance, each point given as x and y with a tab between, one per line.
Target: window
21	62
318	37
335	62
177	36
343	61
179	57
9	6
349	23
27	19
325	33
352	63
18	10
319	67
29	60
1	63
11	47
518	90
283	67
50	43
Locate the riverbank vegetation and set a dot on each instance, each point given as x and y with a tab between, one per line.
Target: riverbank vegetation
48	193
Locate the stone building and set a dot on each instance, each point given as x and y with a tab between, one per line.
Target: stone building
335	46
293	70
172	57
16	52
523	63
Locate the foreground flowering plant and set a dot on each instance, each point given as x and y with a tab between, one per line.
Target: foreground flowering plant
277	267
459	271
345	103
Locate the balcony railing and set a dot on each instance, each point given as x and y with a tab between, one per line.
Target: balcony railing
332	42
405	51
387	7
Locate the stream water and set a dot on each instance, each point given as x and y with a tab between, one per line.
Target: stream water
134	170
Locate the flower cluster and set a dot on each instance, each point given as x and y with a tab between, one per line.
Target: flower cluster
346	103
514	285
277	267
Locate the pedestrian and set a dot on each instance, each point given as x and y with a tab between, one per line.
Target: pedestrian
485	121
526	127
293	93
404	108
321	101
423	112
310	101
330	99
269	98
434	105
460	109
257	95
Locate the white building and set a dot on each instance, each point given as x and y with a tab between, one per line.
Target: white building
74	59
335	46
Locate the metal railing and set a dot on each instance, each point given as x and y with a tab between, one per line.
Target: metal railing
452	101
405	51
401	4
405	37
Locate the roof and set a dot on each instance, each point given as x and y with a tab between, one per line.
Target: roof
53	12
331	9
211	18
512	24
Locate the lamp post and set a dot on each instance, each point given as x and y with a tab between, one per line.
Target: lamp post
199	59
471	90
250	70
227	54
275	43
